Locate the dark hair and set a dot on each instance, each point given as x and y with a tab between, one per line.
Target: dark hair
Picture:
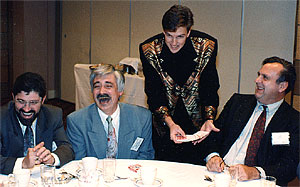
288	74
177	16
28	82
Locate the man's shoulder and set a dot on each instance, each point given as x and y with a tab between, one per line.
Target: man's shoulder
152	39
133	108
196	33
83	112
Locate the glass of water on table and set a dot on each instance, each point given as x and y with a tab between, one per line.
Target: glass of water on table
47	175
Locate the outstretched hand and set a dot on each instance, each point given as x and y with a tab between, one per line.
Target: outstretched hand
208	126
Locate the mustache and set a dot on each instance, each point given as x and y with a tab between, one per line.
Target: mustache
22	110
102	97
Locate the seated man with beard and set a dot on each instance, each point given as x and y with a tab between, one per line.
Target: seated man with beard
108	128
31	132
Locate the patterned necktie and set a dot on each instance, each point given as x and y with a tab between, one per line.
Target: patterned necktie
257	134
112	145
28	139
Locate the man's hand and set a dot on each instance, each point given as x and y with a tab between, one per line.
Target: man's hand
30	160
176	133
44	154
245	172
175	130
208	126
215	163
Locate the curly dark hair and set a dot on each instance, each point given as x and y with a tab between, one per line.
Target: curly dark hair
28	82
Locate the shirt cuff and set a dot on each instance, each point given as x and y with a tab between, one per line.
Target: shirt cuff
56	159
18	163
211	155
262	172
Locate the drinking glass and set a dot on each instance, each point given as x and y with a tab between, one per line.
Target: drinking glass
268	181
47	175
109	169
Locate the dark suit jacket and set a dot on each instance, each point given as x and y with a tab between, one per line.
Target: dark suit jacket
49	128
88	137
279	161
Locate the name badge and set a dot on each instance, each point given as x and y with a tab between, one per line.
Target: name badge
280	138
137	143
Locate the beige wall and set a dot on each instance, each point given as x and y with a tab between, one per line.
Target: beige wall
268	30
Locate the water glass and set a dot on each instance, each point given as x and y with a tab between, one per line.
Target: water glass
21	176
47	175
148	174
268	181
109	169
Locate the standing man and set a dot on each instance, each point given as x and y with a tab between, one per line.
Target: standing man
31	132
259	134
181	82
108	128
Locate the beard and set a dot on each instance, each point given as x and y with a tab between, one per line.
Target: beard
24	121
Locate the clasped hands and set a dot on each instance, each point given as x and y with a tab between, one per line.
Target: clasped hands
240	172
37	155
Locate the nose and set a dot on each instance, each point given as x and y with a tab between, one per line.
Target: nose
101	89
174	41
258	79
26	107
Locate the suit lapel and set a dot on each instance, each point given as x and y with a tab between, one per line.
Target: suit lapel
244	113
97	134
126	133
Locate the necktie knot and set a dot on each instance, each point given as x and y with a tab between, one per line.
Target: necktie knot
109	119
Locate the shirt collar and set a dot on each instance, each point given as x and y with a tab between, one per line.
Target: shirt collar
103	116
271	107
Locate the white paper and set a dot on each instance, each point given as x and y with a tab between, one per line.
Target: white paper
193	137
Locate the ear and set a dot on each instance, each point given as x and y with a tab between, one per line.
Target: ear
43	100
283	86
189	32
121	93
13	96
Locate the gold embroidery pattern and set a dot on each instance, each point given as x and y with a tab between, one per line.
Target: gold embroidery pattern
189	91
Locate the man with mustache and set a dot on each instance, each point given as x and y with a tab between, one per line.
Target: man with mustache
276	151
88	128
32	133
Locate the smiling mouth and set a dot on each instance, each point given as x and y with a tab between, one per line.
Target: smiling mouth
104	100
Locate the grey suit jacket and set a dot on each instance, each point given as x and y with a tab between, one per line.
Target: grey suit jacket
49	128
88	137
279	161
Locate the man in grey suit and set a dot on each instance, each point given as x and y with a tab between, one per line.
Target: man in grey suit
27	116
88	128
277	152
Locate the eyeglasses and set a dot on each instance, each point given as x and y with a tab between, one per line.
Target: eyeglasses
29	103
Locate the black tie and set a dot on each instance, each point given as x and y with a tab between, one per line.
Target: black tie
28	139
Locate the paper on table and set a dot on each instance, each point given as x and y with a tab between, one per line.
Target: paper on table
195	136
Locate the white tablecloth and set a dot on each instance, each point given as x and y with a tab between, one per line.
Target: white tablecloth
172	174
133	90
